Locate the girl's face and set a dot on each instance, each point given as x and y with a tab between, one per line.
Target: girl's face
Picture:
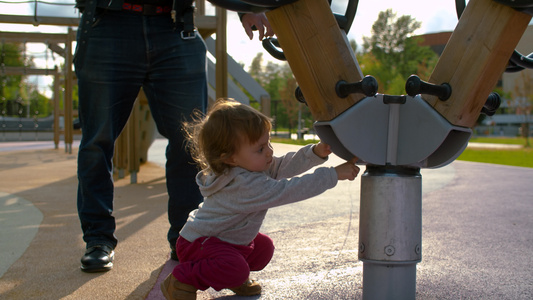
255	157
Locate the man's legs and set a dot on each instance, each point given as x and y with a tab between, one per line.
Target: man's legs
176	85
109	78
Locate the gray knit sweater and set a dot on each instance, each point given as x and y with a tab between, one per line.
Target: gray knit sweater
236	202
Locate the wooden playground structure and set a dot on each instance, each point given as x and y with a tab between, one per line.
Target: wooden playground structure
132	145
393	135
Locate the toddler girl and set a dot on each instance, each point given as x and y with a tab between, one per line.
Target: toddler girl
240	180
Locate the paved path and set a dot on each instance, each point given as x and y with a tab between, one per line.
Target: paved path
477	235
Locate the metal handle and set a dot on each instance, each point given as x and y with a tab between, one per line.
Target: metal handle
271	45
345	21
491	105
415	86
367	86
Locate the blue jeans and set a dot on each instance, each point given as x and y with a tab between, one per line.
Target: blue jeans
124	52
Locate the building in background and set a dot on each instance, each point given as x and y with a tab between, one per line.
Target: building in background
516	91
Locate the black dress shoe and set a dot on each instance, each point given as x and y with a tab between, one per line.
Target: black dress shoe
98	259
173	254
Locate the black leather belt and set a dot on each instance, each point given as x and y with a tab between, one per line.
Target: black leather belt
147	9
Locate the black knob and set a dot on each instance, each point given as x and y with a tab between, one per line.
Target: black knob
415	86
299	95
367	86
492	104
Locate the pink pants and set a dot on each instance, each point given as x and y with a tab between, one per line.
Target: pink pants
210	262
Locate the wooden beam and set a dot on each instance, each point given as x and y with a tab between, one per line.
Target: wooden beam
55	21
26	71
32	37
69	84
57	111
221	55
206	24
475	57
57	49
319	54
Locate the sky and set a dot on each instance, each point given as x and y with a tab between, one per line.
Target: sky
434	15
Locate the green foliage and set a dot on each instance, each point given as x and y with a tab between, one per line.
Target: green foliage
41	106
389	34
16	93
277	79
391	54
11	55
523	101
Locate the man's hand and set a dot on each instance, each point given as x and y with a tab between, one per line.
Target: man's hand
260	22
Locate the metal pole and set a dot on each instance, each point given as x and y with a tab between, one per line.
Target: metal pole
390	231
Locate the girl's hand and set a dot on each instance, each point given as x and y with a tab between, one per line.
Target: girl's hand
322	150
347	170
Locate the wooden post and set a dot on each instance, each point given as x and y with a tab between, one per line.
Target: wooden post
319	54
67	100
221	70
475	57
134	161
265	105
57	88
120	156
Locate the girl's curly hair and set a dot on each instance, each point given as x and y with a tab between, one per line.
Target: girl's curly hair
215	137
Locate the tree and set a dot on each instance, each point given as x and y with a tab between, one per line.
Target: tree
16	93
10	86
392	54
256	68
523	101
277	79
268	76
290	104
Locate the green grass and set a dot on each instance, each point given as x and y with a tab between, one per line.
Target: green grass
512	157
499	140
292	142
522	157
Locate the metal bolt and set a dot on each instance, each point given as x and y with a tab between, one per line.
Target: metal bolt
389	250
361	247
417	249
